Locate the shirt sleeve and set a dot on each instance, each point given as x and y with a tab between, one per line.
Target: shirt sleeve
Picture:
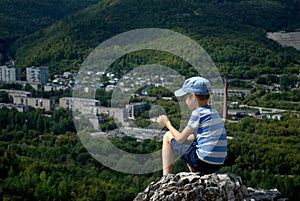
194	120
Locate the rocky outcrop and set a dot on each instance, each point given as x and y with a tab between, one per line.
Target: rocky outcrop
194	187
286	38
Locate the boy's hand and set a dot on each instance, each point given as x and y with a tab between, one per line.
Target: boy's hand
162	120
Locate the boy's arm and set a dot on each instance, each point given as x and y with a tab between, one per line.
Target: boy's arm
191	137
183	136
179	137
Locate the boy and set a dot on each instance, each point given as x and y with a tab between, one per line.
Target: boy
202	143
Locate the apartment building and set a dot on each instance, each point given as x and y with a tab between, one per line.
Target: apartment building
82	105
8	73
19	108
232	92
135	108
38	103
37	74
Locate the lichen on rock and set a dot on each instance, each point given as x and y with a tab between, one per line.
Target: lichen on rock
186	186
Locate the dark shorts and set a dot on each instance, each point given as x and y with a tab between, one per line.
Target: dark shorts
189	155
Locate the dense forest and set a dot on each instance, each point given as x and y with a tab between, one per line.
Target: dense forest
19	18
42	158
232	32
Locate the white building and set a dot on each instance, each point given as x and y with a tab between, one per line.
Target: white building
25	98
8	74
134	108
37	74
19	108
82	105
38	103
232	92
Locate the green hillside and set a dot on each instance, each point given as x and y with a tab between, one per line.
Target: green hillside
233	32
23	17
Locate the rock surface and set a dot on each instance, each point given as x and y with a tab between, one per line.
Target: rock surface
187	186
286	38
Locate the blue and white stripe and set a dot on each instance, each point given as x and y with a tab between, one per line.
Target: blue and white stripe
210	134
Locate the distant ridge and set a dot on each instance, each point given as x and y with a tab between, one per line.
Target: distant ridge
233	32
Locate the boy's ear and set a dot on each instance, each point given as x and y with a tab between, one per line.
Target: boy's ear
194	97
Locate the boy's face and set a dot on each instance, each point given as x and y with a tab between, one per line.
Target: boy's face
190	101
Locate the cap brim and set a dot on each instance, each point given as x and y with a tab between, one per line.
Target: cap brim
180	92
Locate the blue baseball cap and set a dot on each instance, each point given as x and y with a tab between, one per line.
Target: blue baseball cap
194	85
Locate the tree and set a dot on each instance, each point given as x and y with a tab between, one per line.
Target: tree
287	81
4	97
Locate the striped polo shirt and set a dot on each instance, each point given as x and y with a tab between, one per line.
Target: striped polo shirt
210	135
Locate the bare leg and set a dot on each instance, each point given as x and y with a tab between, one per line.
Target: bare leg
167	153
191	169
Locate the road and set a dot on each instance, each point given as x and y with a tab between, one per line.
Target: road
263	110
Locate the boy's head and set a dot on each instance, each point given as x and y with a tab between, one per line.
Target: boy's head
195	85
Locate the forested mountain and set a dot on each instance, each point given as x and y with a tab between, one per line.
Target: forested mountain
232	31
23	17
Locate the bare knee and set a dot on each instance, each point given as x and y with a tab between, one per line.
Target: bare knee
168	136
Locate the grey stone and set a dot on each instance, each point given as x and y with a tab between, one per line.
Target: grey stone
212	187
